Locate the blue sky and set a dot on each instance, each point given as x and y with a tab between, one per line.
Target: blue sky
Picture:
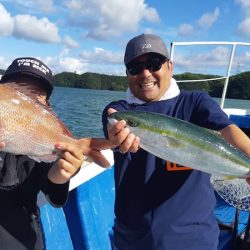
91	35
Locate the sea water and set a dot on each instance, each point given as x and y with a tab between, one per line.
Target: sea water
81	109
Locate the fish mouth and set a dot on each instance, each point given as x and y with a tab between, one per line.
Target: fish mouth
147	85
112	121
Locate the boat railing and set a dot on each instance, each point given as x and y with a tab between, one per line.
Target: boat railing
231	58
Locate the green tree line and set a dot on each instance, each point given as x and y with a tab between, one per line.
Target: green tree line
238	86
90	81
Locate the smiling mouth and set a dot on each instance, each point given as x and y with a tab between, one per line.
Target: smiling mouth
148	85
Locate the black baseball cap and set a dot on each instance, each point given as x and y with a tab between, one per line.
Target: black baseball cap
143	44
30	66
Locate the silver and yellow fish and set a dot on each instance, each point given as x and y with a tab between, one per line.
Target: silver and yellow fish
185	143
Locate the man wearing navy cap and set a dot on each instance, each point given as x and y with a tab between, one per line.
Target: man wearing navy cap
159	205
21	178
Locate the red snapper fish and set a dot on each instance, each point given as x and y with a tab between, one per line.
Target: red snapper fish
30	128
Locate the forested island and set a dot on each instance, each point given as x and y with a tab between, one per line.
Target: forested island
238	86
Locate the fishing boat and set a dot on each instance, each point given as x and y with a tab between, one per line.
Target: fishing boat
86	222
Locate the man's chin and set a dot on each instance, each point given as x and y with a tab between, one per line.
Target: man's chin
149	98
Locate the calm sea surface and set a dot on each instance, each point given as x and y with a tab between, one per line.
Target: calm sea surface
81	109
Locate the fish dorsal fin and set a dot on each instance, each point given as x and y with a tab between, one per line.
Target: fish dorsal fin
32	93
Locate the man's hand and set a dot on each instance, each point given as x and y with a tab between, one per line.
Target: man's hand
248	180
70	161
120	136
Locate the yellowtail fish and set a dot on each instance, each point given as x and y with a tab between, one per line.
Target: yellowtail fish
185	143
29	128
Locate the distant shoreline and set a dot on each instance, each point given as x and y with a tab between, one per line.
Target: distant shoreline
238	87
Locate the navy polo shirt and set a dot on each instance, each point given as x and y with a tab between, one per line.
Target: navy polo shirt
161	205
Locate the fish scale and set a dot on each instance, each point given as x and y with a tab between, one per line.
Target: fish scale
28	128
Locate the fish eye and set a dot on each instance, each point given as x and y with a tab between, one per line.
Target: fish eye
132	123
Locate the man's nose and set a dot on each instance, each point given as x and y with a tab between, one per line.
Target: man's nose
145	72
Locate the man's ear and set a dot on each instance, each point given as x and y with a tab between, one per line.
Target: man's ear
170	65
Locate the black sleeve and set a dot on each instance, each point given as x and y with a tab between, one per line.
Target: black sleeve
27	177
56	194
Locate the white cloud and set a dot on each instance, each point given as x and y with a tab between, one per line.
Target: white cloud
64	63
74	4
71	64
35	5
245	5
212	59
204	22
4	62
202	61
104	19
40	30
186	30
243	27
64	52
44	5
107	69
6	22
69	42
219	55
247	57
87	63
150	14
208	19
99	56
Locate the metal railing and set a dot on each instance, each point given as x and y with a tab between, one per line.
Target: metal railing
226	77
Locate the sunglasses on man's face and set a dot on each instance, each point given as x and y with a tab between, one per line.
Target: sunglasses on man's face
153	64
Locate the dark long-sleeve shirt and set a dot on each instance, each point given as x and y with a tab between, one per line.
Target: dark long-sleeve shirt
21	179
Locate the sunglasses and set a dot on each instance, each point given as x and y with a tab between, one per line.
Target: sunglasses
153	64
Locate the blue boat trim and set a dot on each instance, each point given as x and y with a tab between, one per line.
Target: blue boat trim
243	121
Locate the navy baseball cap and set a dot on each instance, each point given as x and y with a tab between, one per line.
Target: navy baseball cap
30	66
143	44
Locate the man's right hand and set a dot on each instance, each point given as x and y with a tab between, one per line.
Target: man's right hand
120	136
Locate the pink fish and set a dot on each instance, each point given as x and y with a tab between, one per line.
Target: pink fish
29	128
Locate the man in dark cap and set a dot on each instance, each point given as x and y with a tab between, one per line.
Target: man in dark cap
158	206
21	178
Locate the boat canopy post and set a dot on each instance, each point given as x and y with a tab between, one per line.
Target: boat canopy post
227	76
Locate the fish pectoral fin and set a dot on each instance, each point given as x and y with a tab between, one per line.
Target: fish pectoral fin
87	162
228	178
44	158
172	142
